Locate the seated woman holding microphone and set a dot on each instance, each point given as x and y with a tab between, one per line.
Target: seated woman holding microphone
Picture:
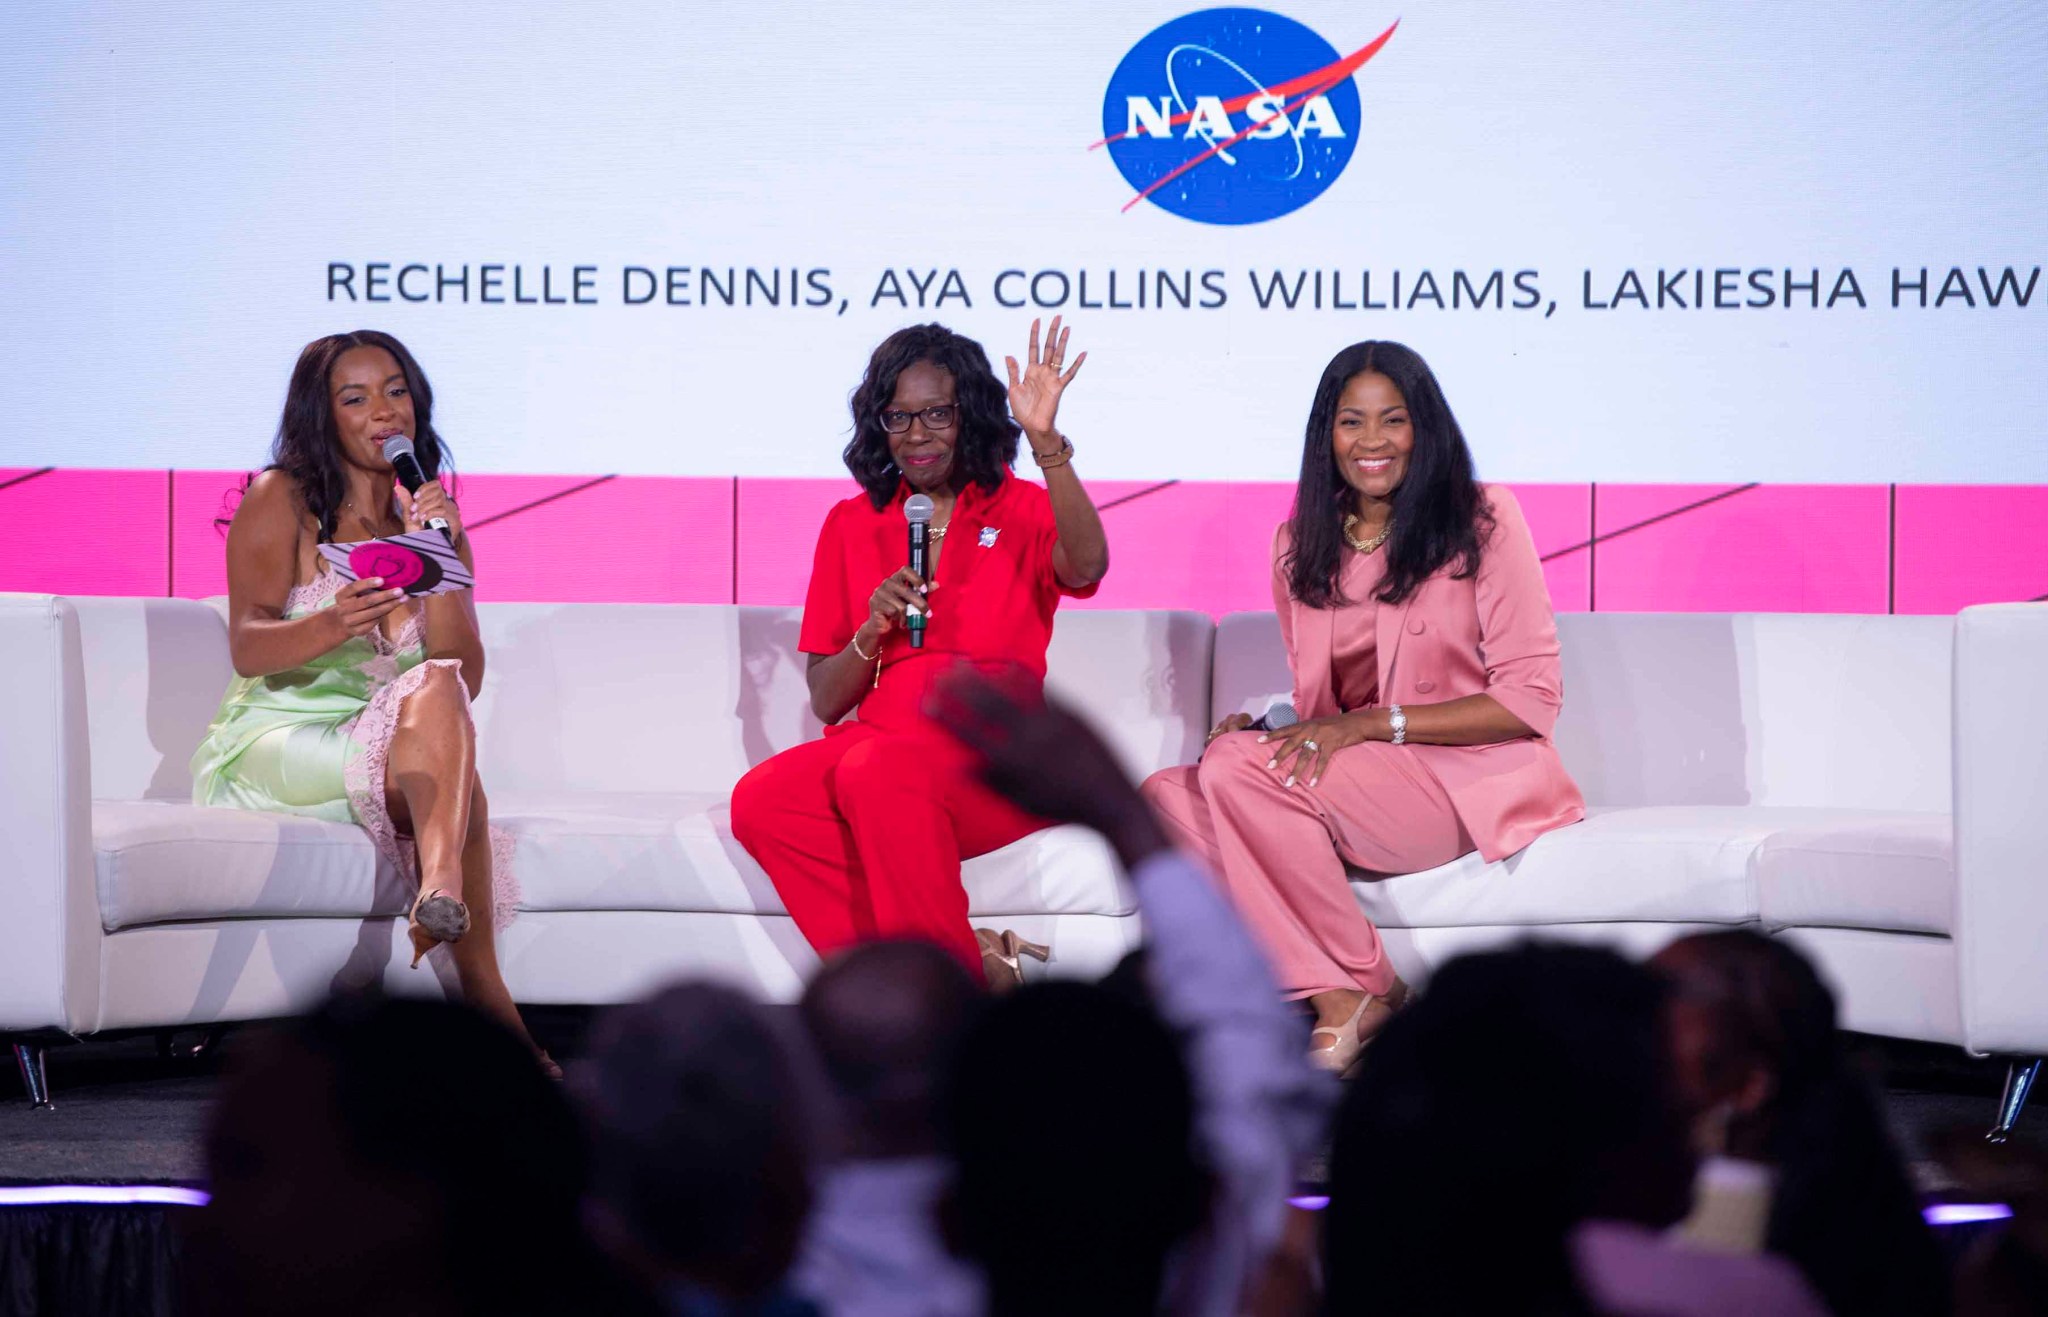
351	700
1424	658
863	832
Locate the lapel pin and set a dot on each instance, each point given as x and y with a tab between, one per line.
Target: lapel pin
988	537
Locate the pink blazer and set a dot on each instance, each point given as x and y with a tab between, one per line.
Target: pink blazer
1493	634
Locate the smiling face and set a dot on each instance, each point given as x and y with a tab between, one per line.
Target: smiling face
923	454
371	402
1372	436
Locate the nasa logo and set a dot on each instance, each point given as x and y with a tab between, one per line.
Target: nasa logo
1233	116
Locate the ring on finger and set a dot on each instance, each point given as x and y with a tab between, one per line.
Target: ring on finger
1310	746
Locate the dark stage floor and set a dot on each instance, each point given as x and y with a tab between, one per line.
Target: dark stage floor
126	1115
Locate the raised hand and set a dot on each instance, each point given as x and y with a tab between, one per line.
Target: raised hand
1035	393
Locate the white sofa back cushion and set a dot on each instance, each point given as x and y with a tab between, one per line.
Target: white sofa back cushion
1717	709
155	670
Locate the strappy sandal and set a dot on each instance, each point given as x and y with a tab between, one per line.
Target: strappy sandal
1002	956
1342	1056
435	917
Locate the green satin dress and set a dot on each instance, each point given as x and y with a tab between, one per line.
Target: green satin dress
314	741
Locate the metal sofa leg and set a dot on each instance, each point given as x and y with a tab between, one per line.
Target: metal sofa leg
2019	1081
35	1077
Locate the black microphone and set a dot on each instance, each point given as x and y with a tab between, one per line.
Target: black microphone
918	510
398	451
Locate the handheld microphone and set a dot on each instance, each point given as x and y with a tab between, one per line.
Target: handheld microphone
1277	718
399	452
918	510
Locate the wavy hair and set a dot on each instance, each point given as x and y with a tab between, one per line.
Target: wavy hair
1439	517
307	447
986	442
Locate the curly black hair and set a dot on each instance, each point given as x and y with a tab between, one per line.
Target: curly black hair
307	448
1440	517
987	438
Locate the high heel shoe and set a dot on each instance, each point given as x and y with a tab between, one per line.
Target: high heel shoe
550	1067
1341	1057
435	917
1002	956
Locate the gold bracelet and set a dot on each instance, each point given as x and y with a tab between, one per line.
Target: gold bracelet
1060	458
864	657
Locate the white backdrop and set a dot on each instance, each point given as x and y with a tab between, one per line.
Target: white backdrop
179	182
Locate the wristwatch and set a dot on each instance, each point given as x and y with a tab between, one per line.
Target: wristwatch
1399	722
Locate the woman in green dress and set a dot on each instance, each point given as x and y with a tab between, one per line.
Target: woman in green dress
351	702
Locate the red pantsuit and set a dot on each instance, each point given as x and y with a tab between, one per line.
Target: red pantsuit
863	832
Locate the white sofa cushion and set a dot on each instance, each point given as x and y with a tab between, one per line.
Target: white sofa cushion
1673	863
1894	872
162	862
157	861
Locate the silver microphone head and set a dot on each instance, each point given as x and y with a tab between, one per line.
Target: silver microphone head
918	509
398	446
1280	716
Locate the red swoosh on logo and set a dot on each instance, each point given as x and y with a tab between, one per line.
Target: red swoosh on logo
1313	83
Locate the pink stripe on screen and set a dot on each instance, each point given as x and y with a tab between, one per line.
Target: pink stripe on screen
629	539
1959	545
86	532
199	548
1726	548
1199	545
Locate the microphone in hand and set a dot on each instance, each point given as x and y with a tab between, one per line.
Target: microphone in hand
398	451
918	510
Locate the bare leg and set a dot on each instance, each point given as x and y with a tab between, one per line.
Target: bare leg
431	789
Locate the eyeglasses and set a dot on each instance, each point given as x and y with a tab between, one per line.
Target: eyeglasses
941	417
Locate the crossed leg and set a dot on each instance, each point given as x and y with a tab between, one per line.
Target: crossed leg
432	791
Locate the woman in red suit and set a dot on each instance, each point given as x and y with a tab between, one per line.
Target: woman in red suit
1425	663
863	832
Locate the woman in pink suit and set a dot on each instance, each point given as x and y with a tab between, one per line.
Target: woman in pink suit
1425	663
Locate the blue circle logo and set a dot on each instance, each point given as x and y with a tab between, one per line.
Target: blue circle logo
1233	116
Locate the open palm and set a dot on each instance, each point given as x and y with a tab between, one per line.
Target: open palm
1035	393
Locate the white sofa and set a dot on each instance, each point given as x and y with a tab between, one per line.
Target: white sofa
1792	772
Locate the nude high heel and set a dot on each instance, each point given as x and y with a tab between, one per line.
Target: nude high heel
1342	1056
435	917
1002	956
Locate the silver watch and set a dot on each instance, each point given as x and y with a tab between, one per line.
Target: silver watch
1399	722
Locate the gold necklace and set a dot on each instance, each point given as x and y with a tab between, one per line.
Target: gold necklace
1366	546
939	533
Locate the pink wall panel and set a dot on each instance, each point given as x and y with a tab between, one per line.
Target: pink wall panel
625	539
1959	545
84	532
1776	548
1205	546
199	564
1560	520
779	521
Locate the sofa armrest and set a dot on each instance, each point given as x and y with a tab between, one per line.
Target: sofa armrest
2001	801
49	904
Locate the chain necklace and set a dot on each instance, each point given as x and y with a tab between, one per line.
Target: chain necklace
1366	546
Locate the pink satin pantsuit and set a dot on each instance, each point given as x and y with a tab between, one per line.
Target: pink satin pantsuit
1387	809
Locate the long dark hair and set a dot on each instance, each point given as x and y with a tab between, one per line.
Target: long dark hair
1439	516
307	448
986	442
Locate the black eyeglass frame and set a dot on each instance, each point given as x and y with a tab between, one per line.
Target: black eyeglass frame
922	414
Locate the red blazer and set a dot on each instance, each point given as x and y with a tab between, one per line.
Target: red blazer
1492	634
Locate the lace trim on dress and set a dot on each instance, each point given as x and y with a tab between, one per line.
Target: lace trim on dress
363	777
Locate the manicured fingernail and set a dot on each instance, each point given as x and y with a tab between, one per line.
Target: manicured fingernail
1272	763
1262	740
376	580
1312	781
1290	781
